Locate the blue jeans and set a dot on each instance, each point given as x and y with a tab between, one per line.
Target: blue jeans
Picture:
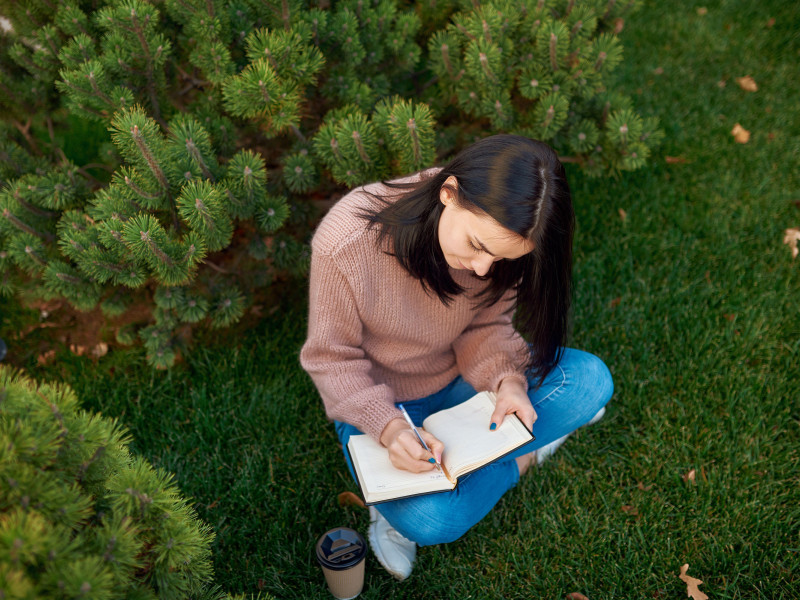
573	393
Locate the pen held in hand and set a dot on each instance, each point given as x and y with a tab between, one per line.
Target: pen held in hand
416	432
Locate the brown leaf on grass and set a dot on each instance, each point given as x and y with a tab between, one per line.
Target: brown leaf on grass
643	487
615	302
729	316
702	11
692	589
350	499
747	83
622	215
576	596
740	134
676	160
76	349
791	236
690	476
46	357
619	25
771	22
100	350
630	510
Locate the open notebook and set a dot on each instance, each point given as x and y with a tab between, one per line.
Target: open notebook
469	444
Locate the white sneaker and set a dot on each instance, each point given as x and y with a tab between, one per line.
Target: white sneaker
597	417
545	452
395	553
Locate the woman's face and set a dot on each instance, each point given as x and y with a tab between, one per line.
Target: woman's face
475	241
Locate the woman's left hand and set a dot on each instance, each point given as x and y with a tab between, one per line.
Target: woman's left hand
513	398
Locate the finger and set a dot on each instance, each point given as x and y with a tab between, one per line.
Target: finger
498	415
527	415
401	459
437	447
415	450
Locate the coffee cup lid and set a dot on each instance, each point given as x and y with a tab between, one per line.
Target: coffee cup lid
340	548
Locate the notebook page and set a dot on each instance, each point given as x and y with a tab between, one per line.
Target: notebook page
468	441
379	475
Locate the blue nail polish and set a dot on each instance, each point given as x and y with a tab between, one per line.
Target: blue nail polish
432	461
493	426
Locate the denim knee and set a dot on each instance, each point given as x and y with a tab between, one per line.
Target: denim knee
584	381
597	381
437	526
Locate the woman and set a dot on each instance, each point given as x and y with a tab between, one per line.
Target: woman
413	287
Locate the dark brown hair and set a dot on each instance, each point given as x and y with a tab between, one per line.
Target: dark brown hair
521	184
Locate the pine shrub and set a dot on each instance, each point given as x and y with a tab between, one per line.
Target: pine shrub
219	120
80	516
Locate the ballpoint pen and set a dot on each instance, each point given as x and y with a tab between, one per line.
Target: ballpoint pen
419	437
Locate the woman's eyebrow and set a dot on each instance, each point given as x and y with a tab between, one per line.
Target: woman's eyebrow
484	248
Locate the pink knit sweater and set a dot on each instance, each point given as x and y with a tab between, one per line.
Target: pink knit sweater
375	336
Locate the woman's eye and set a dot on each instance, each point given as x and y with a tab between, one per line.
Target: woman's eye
474	247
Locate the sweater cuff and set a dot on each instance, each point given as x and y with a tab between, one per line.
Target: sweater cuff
377	421
510	374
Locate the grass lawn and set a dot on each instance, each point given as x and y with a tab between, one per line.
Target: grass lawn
690	297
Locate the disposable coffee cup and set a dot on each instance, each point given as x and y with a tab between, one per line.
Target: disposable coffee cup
340	553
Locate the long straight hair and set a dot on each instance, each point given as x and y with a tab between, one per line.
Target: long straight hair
521	184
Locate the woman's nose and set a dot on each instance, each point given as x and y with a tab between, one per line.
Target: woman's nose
482	264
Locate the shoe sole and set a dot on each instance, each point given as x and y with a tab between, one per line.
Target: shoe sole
377	550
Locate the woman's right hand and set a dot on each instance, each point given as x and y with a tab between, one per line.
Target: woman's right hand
405	451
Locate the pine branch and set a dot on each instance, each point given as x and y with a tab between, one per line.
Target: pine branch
198	158
151	83
157	171
26	228
39	212
154	248
25	131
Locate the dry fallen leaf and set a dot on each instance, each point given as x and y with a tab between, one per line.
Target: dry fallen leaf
791	236
644	488
46	357
100	350
622	214
702	11
770	21
576	596
747	83
76	349
740	134
692	591
350	499
615	302
675	160
631	510
690	476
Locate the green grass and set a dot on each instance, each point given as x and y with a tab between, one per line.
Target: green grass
693	302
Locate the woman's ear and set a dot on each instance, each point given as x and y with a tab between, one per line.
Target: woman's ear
446	191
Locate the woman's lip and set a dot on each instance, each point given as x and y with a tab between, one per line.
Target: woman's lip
462	264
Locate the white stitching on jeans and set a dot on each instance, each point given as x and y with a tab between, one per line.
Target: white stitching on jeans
563	381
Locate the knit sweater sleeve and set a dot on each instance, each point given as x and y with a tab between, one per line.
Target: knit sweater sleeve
333	357
490	349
